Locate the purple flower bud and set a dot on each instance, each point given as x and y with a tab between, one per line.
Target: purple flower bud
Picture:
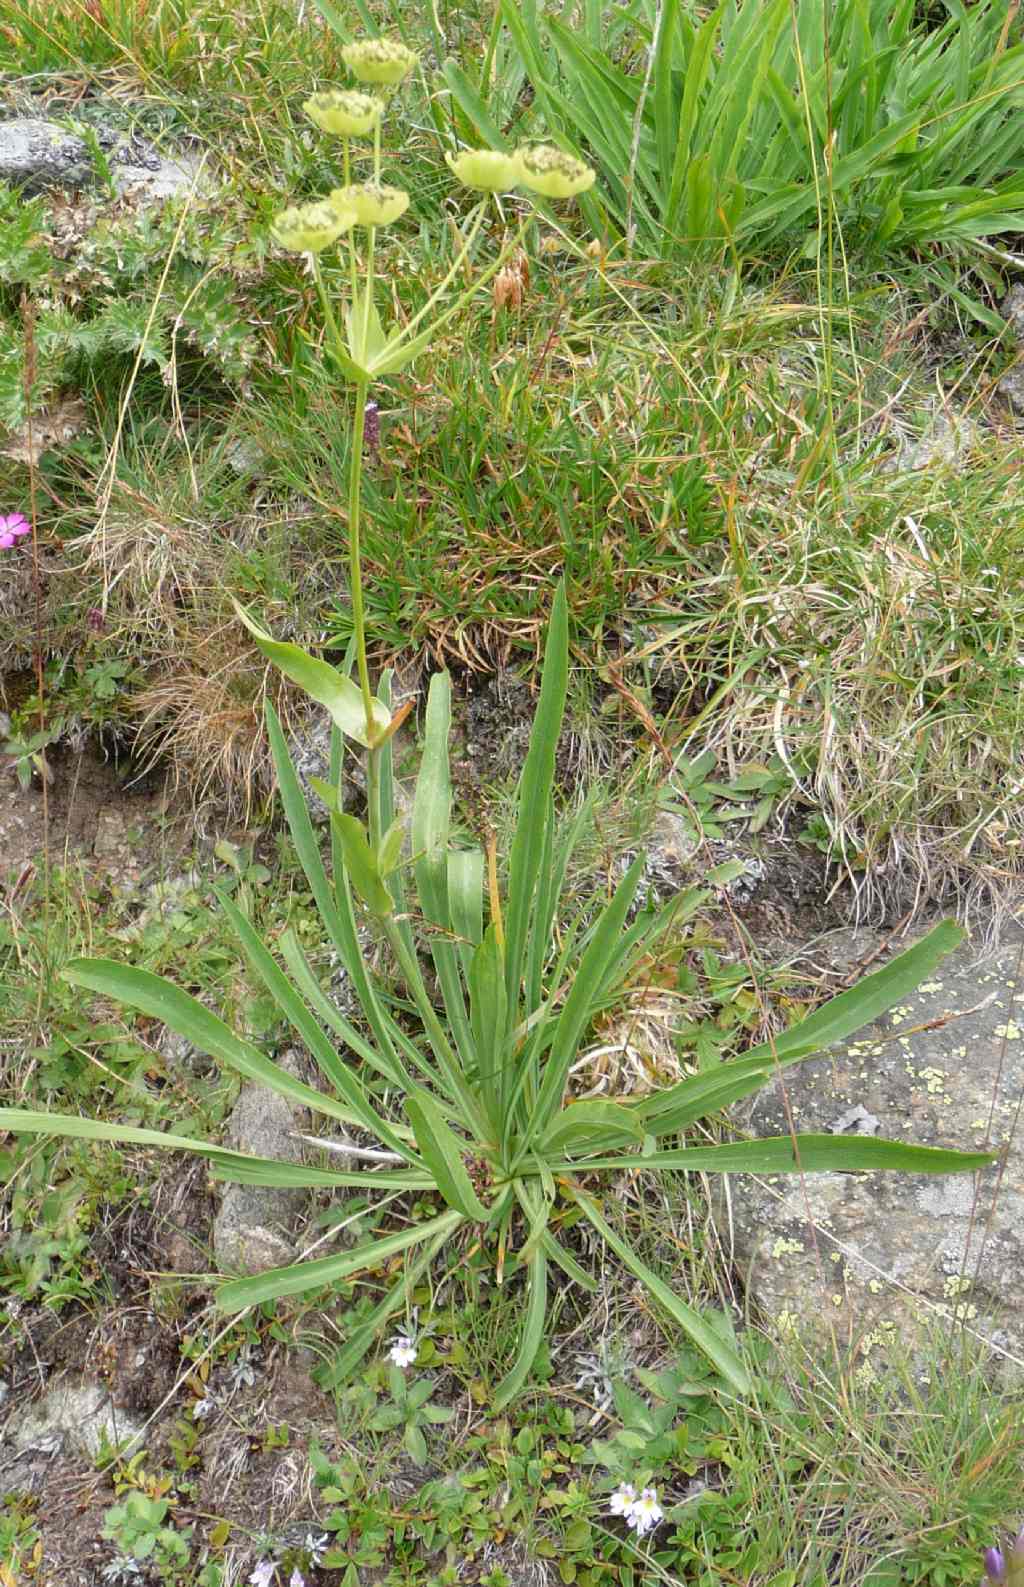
97	622
995	1566
371	427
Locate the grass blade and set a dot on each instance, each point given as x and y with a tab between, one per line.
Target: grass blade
533	1331
723	1357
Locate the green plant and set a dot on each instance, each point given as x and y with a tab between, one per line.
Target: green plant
480	1067
137	1526
757	122
411	1410
28	752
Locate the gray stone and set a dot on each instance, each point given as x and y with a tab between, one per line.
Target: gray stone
79	1417
1012	309
1011	386
871	1254
36	155
253	1229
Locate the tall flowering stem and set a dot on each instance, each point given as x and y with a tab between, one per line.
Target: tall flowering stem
355	484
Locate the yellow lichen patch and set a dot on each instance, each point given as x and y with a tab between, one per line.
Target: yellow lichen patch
786	1247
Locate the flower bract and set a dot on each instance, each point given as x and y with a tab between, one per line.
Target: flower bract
344	111
371	203
486	169
379	60
553	173
312	227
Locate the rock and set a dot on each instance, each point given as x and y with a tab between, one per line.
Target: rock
1012	310
947	439
310	749
872	1253
80	1417
253	1228
37	155
1011	386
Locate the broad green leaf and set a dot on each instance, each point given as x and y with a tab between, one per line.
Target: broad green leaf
723	1357
442	1151
162	1000
302	1276
320	681
533	1332
361	864
466	900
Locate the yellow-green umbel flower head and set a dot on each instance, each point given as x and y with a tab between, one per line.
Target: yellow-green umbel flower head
552	173
312	227
345	111
371	203
379	60
486	169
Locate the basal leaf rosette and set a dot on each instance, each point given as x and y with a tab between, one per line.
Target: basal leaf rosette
345	111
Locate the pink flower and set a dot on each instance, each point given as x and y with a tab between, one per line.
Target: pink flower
12	528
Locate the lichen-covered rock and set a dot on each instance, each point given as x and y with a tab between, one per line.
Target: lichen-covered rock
861	1258
77	1416
36	154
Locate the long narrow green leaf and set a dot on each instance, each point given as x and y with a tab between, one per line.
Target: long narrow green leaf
299	1277
534	797
306	982
872	996
704	1337
579	1005
237	1166
363	1337
473	106
489	1019
162	1000
775	1154
335	907
532	1334
568	1263
442	1152
308	1029
431	816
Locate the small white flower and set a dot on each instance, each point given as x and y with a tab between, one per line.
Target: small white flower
296	1579
645	1512
403	1352
316	1547
263	1575
623	1499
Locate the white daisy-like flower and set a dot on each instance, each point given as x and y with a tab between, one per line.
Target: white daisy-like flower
316	1547
403	1352
645	1512
623	1499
